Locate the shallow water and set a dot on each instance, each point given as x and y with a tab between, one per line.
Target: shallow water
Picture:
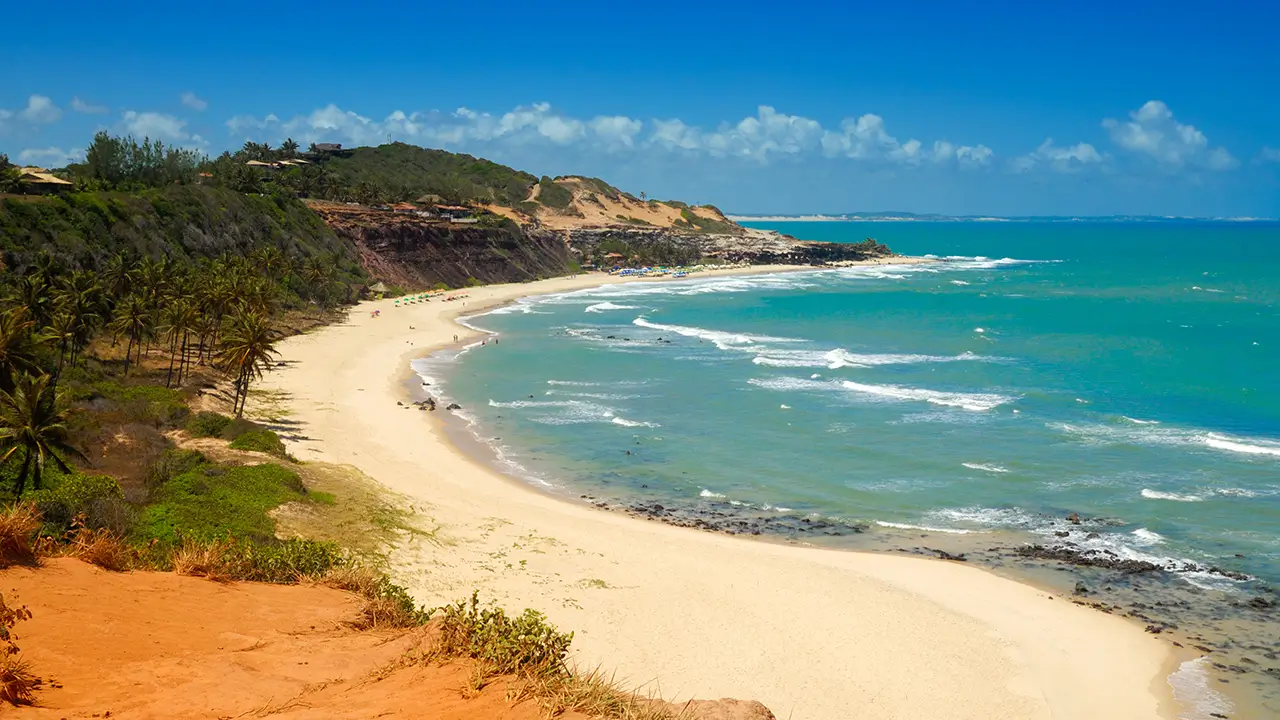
1123	372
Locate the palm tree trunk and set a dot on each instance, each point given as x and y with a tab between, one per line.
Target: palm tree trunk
128	355
21	481
173	350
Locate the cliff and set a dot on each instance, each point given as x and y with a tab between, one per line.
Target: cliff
415	252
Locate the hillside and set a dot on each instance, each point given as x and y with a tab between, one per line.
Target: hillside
408	172
186	223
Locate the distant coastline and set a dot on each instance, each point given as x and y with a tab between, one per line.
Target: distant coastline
911	217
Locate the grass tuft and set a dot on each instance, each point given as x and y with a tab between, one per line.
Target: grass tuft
100	547
17	682
18	525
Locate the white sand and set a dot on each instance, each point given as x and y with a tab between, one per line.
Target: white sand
812	633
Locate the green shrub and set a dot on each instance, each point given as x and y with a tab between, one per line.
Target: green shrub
209	502
238	427
526	645
264	441
207	424
97	497
280	561
172	464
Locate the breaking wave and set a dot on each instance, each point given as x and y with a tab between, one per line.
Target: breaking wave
1147	433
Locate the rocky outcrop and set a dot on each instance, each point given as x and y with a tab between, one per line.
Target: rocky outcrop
757	247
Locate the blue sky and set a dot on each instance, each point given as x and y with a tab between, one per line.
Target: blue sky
1081	108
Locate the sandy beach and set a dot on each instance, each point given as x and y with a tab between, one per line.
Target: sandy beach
814	634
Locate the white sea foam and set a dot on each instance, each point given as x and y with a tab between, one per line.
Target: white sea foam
1193	688
632	423
1236	492
1252	447
1136	421
959	282
1177	497
562	412
709	494
988	517
606	306
977	402
840	358
1150	434
985	468
1147	537
926	528
722	340
591	395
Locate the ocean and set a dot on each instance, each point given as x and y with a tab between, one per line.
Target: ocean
1125	374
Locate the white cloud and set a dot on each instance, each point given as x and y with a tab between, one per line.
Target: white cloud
1152	130
1268	155
86	108
40	110
1067	159
523	125
616	130
159	126
976	156
49	157
191	100
766	135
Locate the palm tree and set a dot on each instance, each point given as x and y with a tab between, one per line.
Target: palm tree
269	261
289	149
16	350
132	319
33	419
62	330
248	345
117	275
179	320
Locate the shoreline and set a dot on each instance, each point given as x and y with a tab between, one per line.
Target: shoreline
811	632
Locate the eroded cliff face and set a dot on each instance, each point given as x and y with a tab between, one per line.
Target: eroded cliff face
417	253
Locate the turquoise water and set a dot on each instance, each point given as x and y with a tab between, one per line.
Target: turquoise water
1125	372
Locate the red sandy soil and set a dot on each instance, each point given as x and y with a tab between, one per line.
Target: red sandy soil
160	645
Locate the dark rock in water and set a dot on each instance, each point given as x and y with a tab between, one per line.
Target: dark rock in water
1073	518
1261	603
1081	588
1087	559
453	406
1062	533
944	555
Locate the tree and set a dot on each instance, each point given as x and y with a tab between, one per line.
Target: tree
133	320
246	350
9	174
289	149
17	353
33	421
179	320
